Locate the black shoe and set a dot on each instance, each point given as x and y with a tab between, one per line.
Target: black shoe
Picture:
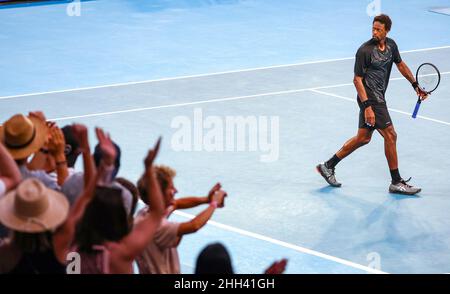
328	175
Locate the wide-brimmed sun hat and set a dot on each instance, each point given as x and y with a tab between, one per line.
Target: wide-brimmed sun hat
33	208
23	135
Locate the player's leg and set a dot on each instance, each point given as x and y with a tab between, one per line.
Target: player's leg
362	138
390	149
326	169
398	185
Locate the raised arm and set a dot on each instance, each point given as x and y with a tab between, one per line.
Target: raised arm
63	237
202	218
278	267
135	242
9	171
193	201
56	146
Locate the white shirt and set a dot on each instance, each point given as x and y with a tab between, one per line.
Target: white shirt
49	181
74	186
161	255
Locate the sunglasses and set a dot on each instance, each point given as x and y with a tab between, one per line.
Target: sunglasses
67	150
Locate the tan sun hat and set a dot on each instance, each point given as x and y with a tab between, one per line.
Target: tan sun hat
33	208
23	135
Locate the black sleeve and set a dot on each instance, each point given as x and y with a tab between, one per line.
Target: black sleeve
361	62
396	54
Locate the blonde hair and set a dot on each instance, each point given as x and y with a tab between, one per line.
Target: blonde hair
164	174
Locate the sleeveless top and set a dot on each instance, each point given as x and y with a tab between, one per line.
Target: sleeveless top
96	262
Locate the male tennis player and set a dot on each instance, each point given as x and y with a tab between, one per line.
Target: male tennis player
373	66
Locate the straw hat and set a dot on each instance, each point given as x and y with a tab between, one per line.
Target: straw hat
23	135
33	208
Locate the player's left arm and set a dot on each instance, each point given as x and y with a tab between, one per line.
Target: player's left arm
406	72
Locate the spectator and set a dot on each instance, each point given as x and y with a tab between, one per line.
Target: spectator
9	178
98	224
31	212
98	155
134	193
72	150
9	172
42	160
23	136
161	255
214	259
73	187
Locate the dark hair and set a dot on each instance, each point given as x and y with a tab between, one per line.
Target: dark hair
384	19
214	259
142	188
104	219
71	146
98	158
133	190
32	242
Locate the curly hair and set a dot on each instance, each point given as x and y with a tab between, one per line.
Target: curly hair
384	19
164	174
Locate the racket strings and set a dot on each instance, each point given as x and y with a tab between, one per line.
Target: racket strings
427	77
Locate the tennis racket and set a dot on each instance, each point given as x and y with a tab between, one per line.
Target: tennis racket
428	77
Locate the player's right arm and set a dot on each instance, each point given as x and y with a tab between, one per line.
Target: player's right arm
368	112
361	64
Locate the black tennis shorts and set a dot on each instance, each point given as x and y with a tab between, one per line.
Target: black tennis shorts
382	117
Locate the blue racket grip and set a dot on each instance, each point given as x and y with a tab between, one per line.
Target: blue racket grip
416	109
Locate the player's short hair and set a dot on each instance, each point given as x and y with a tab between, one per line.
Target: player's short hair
384	19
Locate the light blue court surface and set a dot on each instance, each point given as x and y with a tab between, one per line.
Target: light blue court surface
117	61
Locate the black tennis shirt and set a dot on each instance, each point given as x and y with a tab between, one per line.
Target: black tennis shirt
374	66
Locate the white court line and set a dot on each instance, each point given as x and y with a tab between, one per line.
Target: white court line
391	79
315	89
181	104
286	245
425	49
208	74
353	100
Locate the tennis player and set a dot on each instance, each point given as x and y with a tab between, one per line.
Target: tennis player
373	66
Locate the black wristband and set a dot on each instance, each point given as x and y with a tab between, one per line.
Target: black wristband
415	85
366	104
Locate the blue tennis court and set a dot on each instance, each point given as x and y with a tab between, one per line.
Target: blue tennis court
141	69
